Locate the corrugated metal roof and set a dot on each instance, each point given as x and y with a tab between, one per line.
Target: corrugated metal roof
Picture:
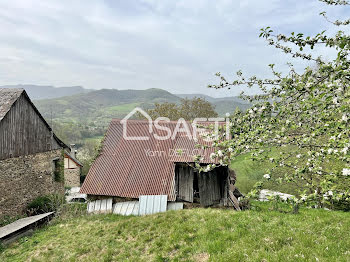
130	168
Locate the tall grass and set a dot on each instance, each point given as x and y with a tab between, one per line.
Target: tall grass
192	235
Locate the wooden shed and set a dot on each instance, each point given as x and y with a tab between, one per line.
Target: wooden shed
130	168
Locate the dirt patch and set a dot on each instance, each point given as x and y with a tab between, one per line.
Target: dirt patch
202	257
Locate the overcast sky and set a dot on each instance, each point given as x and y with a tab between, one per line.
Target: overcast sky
177	45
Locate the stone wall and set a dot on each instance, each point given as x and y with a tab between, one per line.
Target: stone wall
24	178
72	177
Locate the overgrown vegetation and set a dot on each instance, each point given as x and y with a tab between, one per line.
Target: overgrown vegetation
44	204
192	235
188	109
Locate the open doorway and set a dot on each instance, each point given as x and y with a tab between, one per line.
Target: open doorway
206	188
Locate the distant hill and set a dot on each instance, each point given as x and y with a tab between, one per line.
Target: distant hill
46	92
98	107
75	103
222	105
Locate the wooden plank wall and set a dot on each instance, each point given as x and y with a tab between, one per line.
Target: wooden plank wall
185	182
209	187
211	184
23	132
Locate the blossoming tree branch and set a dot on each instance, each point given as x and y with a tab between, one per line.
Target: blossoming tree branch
304	115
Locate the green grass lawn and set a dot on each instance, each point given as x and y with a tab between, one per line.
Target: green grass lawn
96	139
191	235
249	172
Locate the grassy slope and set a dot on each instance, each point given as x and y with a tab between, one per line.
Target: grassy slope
192	235
249	172
101	105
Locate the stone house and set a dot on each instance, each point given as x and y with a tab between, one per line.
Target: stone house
72	169
31	155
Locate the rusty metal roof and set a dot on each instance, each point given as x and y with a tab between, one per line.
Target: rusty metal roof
130	168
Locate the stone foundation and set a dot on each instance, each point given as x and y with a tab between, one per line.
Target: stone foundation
72	177
24	178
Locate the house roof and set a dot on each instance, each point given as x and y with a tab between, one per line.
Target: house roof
8	96
73	158
130	168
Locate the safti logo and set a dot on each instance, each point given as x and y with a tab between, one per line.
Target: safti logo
182	126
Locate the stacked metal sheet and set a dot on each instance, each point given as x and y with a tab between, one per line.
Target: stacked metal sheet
147	205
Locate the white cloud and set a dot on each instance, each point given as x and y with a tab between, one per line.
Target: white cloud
175	45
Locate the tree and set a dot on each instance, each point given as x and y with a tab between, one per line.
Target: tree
188	109
88	154
307	113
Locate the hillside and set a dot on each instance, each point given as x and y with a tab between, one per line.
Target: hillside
46	92
191	235
99	106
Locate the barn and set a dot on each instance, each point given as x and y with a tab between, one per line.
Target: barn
157	164
31	155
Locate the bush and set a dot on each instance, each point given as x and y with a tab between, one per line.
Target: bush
44	204
342	204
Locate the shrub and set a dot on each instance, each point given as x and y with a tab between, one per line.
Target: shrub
44	204
342	204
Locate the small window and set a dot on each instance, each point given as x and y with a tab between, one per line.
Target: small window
57	170
55	165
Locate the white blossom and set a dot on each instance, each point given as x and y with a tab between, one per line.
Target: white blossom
346	172
345	150
328	194
267	176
